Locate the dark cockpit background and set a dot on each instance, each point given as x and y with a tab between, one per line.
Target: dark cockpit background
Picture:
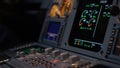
20	22
69	34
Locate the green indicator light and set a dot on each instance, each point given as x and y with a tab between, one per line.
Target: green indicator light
84	16
91	16
27	51
87	22
37	49
88	46
87	5
94	16
103	15
108	15
81	28
105	8
90	28
96	5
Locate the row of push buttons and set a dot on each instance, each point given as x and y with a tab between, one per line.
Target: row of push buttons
111	41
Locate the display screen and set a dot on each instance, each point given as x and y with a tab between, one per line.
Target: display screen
90	24
53	31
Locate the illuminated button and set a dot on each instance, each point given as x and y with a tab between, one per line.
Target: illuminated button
89	65
22	54
111	38
48	51
37	49
74	66
74	58
17	53
55	53
110	42
113	32
32	50
64	56
55	61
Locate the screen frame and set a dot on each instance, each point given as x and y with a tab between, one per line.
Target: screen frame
47	29
45	41
101	54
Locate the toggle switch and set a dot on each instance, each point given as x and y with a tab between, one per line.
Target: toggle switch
74	58
64	56
48	51
55	53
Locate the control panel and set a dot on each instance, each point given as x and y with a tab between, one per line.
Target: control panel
39	57
74	34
